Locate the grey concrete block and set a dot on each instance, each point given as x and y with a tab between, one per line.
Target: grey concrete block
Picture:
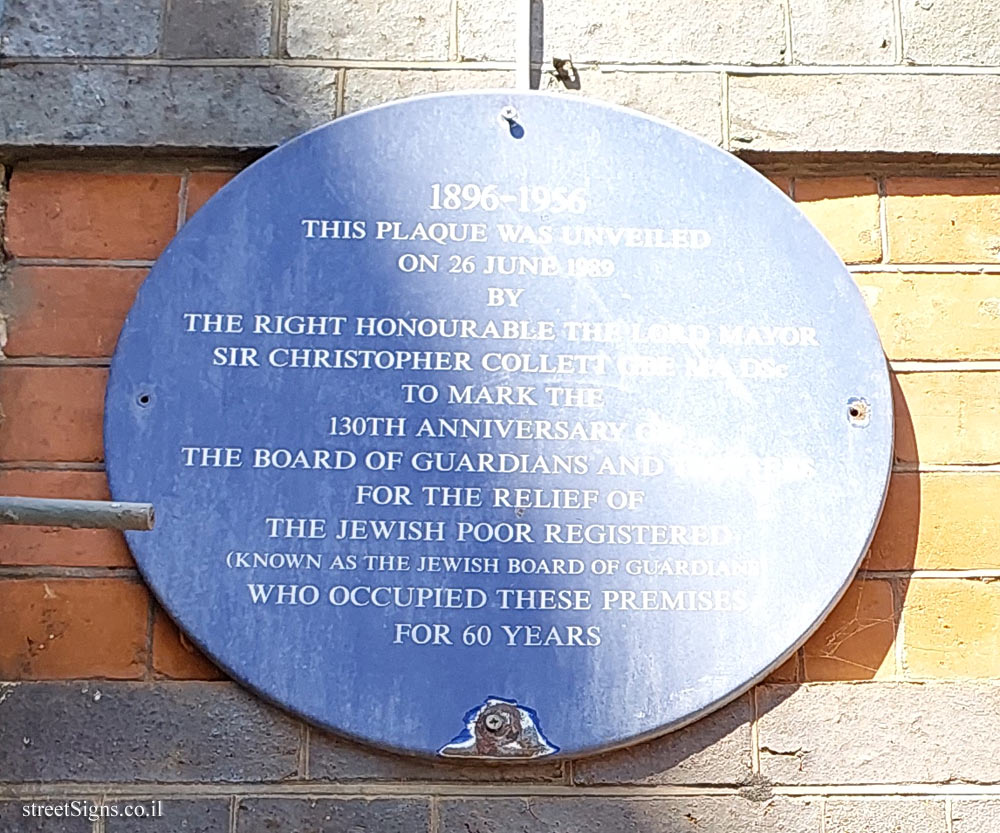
374	30
162	106
332	758
633	31
865	113
488	31
177	816
217	28
970	816
368	87
720	814
265	815
690	100
91	28
858	32
951	32
14	820
903	815
715	750
138	732
880	733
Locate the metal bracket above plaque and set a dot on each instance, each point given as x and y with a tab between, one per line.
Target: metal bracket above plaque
500	425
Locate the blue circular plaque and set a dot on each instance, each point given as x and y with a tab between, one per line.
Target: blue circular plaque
499	425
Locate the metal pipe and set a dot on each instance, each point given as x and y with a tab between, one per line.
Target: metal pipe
77	514
523	50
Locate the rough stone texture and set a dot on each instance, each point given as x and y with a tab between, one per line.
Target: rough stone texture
885	816
601	815
332	758
156	106
390	30
262	815
120	733
179	816
184	106
969	816
93	28
864	113
880	733
951	32
368	87
216	28
690	100
857	32
715	750
13	820
488	31
633	31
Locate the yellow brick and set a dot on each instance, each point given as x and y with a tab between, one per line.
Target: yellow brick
939	521
846	211
856	640
944	220
948	417
939	316
951	628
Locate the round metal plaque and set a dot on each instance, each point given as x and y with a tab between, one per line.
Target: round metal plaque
500	425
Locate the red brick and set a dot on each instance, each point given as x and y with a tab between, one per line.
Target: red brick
73	628
67	311
175	657
87	214
202	185
783	183
51	413
53	546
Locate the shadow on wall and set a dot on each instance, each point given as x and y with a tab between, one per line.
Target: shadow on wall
857	642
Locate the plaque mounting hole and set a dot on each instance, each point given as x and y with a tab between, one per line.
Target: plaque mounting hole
859	412
510	116
144	400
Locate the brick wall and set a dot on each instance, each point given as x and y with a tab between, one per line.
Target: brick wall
749	75
886	720
880	117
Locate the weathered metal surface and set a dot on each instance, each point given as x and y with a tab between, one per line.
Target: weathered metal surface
78	514
552	409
